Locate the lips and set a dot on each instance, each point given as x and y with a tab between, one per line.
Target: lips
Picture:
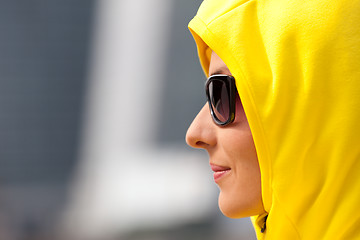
219	171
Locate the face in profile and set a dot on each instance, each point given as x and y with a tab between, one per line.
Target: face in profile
232	155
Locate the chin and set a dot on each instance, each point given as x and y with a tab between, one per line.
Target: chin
237	208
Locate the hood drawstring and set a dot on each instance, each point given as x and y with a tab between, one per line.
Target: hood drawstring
264	224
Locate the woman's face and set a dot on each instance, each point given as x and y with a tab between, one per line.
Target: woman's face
232	156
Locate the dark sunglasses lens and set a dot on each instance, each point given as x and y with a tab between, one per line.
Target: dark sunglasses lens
219	99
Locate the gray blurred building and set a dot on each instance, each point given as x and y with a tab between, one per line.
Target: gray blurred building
43	63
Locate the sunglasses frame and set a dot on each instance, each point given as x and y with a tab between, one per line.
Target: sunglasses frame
231	88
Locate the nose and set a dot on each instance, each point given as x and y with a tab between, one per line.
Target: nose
202	131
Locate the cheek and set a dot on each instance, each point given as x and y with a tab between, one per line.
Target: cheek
244	161
240	196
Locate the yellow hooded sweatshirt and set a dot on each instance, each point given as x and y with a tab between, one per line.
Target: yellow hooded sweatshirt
297	70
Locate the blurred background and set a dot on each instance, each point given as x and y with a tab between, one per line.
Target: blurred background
95	101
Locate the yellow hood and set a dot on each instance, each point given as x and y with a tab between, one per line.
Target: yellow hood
297	70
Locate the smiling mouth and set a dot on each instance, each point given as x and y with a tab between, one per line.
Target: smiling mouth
219	171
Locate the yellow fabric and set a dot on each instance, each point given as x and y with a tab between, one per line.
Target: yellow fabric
297	70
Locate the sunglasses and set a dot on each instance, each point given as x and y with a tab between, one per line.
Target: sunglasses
221	96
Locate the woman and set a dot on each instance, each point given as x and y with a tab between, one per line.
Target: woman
284	144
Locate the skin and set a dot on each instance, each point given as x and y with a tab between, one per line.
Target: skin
233	147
